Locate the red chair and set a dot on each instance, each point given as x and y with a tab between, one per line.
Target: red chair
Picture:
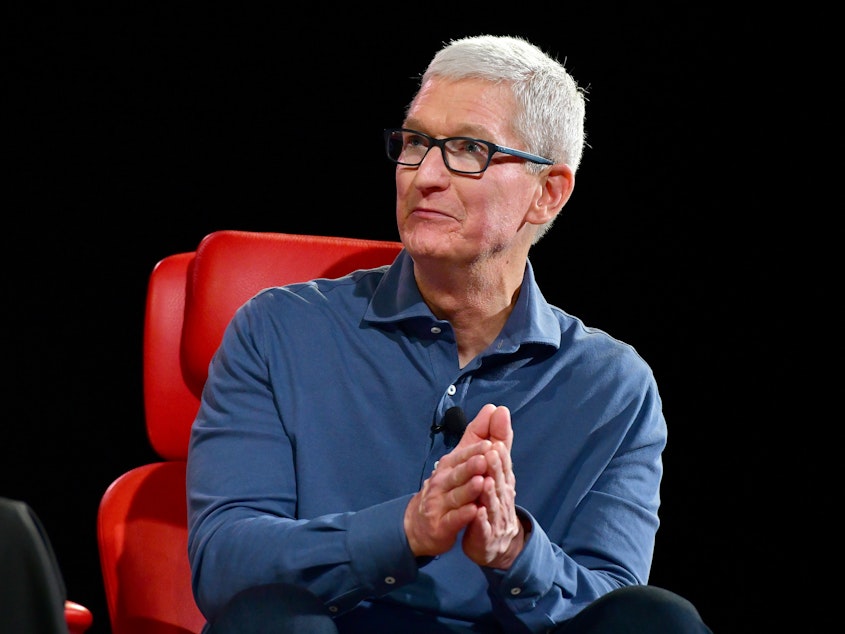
78	617
142	518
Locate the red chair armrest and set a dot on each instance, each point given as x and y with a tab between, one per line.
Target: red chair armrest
77	617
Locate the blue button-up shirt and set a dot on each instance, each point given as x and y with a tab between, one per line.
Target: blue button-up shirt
315	429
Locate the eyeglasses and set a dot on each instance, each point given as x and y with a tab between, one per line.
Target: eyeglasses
461	154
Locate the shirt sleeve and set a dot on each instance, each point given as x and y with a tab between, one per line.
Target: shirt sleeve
609	539
244	530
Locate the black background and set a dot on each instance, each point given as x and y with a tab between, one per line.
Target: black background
135	132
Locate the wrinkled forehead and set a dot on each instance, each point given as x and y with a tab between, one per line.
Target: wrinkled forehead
463	107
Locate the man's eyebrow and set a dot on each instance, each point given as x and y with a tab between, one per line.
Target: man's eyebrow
468	129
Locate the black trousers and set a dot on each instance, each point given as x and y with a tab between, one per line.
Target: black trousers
283	608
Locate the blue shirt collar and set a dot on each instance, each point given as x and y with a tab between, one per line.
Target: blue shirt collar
397	298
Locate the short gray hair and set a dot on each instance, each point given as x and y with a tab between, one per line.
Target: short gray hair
551	105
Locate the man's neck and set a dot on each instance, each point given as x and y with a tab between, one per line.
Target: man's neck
476	304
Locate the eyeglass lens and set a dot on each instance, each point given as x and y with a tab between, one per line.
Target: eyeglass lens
459	153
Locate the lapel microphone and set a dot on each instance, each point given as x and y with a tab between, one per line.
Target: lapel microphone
453	424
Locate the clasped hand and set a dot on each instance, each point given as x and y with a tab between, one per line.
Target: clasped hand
473	487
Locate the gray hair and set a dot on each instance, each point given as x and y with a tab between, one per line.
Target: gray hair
550	104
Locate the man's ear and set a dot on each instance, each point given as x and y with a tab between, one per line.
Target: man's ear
555	188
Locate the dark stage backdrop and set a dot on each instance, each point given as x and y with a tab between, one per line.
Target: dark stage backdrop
135	132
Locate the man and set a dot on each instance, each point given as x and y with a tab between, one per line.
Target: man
344	491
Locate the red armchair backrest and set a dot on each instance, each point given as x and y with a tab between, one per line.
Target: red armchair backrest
191	297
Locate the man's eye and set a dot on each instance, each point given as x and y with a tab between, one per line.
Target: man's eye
415	141
469	146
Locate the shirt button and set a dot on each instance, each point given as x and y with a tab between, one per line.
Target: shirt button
390	580
515	591
333	609
451	390
435	330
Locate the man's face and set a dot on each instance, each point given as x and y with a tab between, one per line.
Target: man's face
464	217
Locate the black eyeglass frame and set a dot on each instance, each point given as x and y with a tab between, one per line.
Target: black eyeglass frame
441	143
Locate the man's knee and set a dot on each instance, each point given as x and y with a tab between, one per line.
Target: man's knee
639	609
